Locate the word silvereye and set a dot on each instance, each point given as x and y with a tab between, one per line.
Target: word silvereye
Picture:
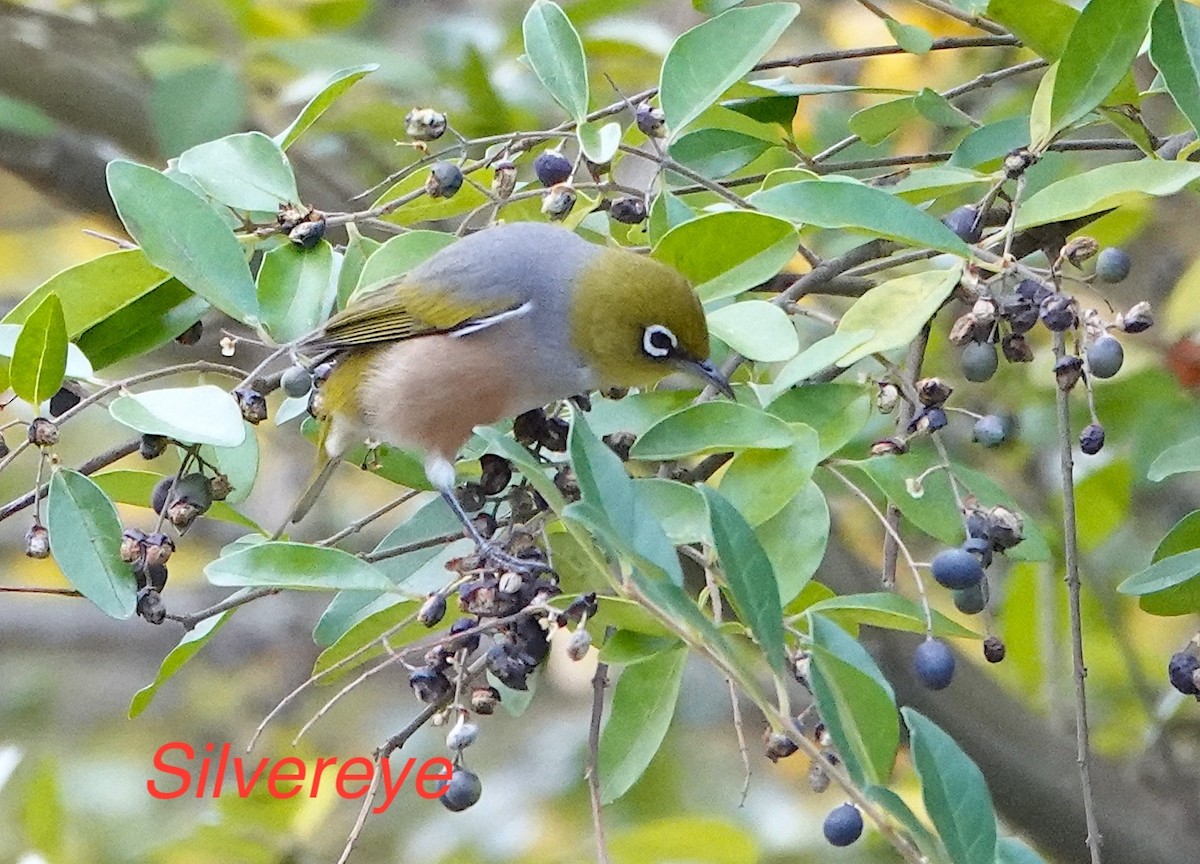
501	322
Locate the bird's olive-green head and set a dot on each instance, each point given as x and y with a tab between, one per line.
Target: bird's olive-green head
636	321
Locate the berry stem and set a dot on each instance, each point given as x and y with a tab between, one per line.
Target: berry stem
599	685
1071	560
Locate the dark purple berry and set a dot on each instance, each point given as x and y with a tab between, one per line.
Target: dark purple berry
1181	670
628	210
965	222
994	649
1058	313
429	685
1091	439
444	180
462	791
843	825
552	168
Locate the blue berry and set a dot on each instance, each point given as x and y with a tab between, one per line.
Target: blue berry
462	791
965	222
981	548
957	569
296	382
1113	264
979	361
843	825
934	664
552	168
1180	670
1105	357
444	181
990	430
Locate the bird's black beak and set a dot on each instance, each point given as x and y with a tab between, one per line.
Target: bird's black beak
708	372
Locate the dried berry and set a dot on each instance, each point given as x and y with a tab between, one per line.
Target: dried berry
425	124
504	179
308	234
484	700
994	649
1137	320
495	473
1058	312
650	120
628	210
153	446
779	746
558	202
1067	371
150	606
579	643
430	685
433	610
1016	349
252	404
933	392
1181	671
43	432
1091	439
37	541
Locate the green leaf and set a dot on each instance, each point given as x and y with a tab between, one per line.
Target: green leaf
717	153
39	358
555	52
795	539
642	706
279	564
143	325
247	171
339	82
1010	850
1163	574
296	289
612	504
195	104
955	793
354	260
1042	25
239	464
729	252
679	508
820	355
708	59
1184	598
761	482
1175	52
839	202
85	539
422	208
712	427
749	575
377	619
94	289
856	703
396	257
1102	46
189	646
896	311
936	108
714	7
885	609
182	234
1103	188
875	123
911	38
756	329
837	411
599	142
204	414
991	143
926	184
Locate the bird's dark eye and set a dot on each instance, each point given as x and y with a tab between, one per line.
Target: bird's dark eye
658	341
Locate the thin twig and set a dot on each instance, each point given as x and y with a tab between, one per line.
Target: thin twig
231	602
599	684
911	373
1071	559
967	18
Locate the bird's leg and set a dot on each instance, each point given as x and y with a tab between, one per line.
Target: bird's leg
488	550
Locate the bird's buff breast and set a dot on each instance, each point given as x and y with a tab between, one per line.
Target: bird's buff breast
429	393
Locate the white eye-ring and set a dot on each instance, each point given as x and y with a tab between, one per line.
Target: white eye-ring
658	341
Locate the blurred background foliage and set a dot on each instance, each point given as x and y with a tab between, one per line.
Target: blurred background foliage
81	83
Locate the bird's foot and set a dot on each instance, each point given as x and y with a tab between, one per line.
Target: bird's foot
493	554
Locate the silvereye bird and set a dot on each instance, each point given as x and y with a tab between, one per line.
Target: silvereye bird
501	322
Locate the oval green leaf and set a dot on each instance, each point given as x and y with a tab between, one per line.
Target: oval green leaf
339	82
1161	575
205	414
555	52
296	289
246	171
757	330
599	141
396	257
795	539
279	564
708	59
85	539
885	609
1175	52
896	311
838	202
856	703
729	252
189	646
181	233
955	794
749	575
761	482
39	358
642	706
1103	188
712	427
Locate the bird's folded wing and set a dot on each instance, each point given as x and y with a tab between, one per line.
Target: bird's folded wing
403	312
